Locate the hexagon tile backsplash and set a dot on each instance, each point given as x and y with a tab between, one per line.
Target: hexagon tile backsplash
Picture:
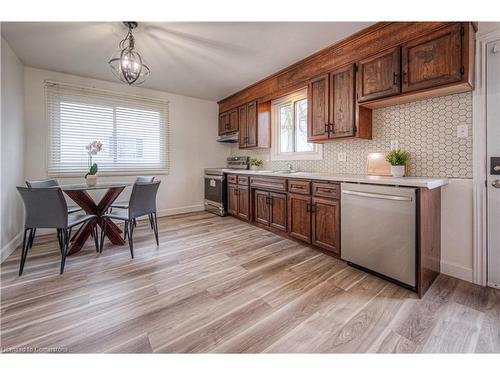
427	129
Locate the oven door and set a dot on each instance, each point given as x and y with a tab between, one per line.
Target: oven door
215	194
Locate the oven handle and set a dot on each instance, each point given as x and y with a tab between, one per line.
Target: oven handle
218	178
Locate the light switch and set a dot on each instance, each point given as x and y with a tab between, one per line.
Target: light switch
341	156
394	145
462	131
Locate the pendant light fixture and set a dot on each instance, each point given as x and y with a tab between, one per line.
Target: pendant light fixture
127	64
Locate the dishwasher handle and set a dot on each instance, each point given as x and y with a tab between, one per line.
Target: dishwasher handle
377	196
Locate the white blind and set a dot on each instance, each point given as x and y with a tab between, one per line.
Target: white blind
134	131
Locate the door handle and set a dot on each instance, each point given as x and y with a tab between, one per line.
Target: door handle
395	78
496	184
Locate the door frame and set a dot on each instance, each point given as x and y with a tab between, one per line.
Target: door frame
480	163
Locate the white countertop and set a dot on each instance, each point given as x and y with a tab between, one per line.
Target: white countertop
421	182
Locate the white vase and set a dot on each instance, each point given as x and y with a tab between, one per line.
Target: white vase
397	170
254	167
91	180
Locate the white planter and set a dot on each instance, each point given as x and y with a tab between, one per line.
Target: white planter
254	167
91	180
397	170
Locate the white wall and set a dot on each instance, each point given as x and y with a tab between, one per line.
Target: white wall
12	137
193	131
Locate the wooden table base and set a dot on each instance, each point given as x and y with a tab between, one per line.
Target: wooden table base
85	201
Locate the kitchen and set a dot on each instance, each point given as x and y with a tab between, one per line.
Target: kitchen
251	187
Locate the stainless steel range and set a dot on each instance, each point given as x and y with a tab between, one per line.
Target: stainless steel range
216	187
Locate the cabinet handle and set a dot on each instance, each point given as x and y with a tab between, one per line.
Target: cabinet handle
327	128
395	78
226	126
308	207
405	77
313	208
268	201
331	127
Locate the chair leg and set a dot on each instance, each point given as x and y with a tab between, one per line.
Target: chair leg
24	250
60	240
96	238
155	227
150	216
66	237
125	230
32	238
130	240
103	233
135	222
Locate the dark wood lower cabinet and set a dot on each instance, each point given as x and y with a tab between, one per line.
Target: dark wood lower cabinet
326	224
238	201
299	217
244	202
232	199
270	209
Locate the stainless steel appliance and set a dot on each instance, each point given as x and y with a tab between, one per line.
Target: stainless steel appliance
216	187
378	230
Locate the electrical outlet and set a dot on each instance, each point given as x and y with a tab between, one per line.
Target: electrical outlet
462	131
394	145
341	156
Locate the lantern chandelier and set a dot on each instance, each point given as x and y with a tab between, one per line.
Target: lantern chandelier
127	64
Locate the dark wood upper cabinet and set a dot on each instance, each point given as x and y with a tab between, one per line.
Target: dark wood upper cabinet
317	109
433	60
233	121
379	76
299	217
242	120
325	231
223	123
228	122
251	125
342	102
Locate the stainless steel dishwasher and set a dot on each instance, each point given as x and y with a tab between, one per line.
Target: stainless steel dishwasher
378	230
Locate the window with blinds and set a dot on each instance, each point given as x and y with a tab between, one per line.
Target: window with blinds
133	131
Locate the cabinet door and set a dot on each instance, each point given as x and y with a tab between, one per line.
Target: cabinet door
233	121
317	109
379	75
278	211
232	199
223	123
242	120
251	125
261	207
342	102
432	60
243	202
299	217
325	224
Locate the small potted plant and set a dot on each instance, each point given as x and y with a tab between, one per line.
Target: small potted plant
92	148
398	160
256	163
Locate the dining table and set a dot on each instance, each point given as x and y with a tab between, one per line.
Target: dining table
79	193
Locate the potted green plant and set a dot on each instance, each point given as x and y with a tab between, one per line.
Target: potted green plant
398	160
256	163
92	148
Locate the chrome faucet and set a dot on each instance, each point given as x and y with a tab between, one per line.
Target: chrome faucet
290	167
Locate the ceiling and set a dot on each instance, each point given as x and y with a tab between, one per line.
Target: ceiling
208	60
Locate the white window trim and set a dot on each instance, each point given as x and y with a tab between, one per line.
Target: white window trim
317	154
130	171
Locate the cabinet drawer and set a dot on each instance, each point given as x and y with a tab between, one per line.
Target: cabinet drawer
322	189
243	180
299	187
232	179
276	184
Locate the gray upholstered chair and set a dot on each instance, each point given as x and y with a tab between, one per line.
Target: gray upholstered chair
36	184
47	208
124	205
142	202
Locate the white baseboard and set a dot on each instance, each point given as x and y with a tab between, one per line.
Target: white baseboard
456	270
180	210
11	246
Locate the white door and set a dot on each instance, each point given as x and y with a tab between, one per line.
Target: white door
493	151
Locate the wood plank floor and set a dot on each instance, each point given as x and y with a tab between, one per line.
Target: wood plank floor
221	285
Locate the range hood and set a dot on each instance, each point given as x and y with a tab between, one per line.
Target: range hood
228	138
